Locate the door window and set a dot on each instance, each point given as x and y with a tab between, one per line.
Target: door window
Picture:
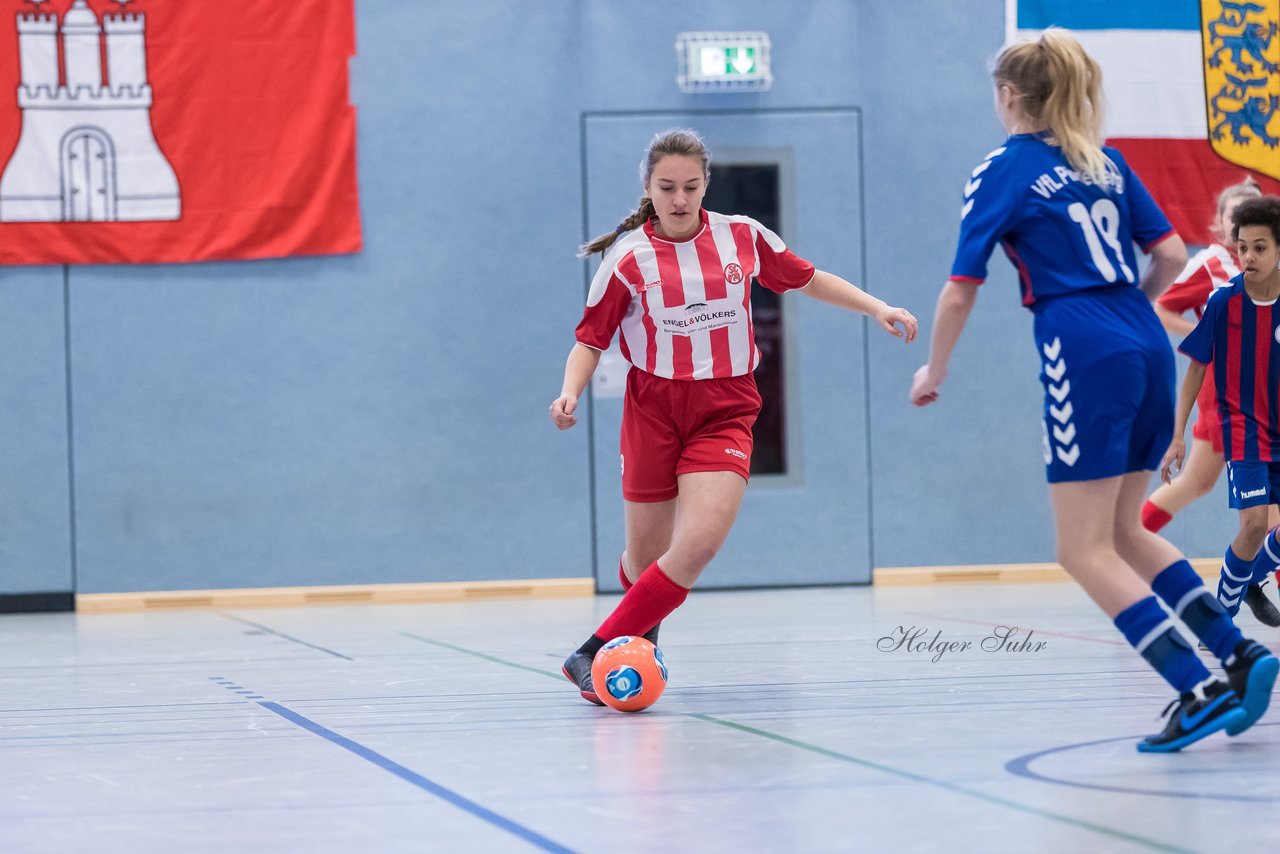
752	189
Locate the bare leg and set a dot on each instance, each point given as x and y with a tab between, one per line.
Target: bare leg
649	529
1203	468
705	511
1149	554
1253	530
1085	514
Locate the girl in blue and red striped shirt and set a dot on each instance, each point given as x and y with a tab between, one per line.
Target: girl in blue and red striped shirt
1212	268
1238	335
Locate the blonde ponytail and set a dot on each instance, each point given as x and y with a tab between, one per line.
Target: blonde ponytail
1060	86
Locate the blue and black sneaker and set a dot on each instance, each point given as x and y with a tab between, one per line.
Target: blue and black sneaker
1251	670
577	669
1204	710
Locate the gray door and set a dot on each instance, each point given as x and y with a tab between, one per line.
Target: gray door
36	550
810	522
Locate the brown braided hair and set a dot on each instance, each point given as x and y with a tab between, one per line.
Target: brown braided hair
678	141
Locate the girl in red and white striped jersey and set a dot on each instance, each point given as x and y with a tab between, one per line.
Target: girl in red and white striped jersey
676	283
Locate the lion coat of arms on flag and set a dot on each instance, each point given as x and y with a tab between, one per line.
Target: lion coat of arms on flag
1242	81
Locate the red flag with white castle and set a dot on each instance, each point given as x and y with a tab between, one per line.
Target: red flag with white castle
154	131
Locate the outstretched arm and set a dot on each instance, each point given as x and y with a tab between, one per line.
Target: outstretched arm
954	304
578	369
830	288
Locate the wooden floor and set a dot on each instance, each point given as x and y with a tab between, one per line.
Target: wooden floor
793	722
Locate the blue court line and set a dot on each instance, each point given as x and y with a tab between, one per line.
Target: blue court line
1021	767
1153	844
409	776
272	631
416	779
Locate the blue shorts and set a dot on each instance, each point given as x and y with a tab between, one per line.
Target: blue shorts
1108	374
1252	484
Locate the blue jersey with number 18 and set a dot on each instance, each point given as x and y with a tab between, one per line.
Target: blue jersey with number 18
1063	232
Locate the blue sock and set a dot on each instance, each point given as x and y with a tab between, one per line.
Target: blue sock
1150	631
1268	558
1185	594
1236	572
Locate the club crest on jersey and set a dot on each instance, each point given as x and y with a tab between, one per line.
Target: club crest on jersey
733	274
1240	78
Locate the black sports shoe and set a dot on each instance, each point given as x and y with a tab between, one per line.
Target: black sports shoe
577	669
1262	607
1251	670
652	635
1202	711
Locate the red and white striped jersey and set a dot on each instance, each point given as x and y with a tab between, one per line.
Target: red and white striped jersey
1209	269
684	307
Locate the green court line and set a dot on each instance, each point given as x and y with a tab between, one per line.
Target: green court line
853	760
553	674
951	787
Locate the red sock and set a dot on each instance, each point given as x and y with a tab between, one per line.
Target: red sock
1153	518
650	599
622	576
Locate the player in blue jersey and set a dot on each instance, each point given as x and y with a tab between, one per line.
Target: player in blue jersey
1067	212
1238	335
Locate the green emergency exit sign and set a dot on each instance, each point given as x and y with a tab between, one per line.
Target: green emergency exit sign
728	61
723	62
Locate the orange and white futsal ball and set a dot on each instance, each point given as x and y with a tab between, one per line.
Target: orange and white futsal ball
629	674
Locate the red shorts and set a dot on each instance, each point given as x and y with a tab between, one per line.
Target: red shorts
673	427
1208	428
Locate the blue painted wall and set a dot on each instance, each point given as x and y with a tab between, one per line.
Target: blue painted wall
382	417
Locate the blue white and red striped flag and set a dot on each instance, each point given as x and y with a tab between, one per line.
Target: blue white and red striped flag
1192	91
